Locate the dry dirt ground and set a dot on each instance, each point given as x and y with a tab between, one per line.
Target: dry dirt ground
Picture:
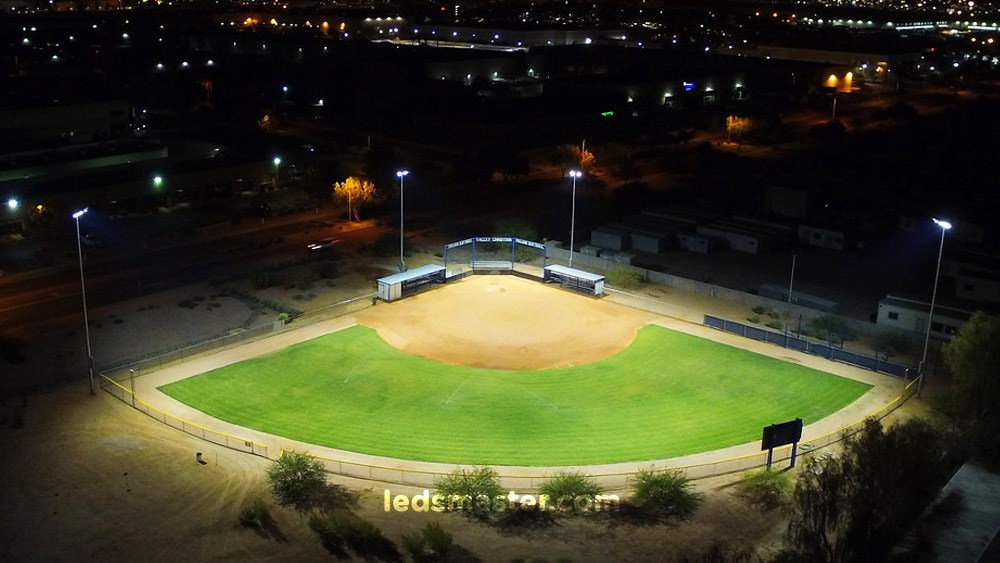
505	322
89	479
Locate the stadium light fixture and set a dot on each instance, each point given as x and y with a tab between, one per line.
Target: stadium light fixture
83	291
401	174
945	227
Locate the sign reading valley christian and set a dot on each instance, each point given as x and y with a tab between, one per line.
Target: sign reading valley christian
530	243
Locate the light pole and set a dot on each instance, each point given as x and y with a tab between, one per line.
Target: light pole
791	280
277	170
945	225
83	291
572	218
401	174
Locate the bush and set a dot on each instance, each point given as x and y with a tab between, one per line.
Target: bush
414	544
438	541
572	485
830	326
472	491
759	310
338	530
766	489
754	319
665	493
282	316
776	324
296	479
255	513
774	314
624	277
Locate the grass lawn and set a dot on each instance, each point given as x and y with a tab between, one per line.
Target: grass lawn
666	395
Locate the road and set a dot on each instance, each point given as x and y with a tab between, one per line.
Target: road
123	271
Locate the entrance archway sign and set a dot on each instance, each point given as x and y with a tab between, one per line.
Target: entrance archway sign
488	260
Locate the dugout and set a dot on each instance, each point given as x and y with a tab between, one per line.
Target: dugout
577	280
397	286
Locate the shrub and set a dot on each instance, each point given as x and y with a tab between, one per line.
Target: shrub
438	541
414	545
338	530
187	304
472	491
774	314
296	479
776	324
759	310
754	319
571	485
766	489
624	277
665	493
282	316
255	513
829	326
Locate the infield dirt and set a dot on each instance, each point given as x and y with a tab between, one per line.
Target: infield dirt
527	325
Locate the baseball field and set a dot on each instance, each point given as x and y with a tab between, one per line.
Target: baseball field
663	395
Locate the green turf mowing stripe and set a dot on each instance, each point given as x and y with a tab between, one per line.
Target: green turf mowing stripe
668	394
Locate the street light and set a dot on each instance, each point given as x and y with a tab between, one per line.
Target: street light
401	174
945	226
277	170
157	180
572	218
13	203
83	291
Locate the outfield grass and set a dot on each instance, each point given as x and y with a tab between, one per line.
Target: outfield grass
666	395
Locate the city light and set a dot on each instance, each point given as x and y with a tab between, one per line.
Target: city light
157	180
13	203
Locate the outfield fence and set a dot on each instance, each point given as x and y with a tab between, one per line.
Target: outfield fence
828	350
127	396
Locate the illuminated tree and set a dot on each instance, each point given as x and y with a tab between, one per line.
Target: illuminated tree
973	358
357	192
739	126
571	156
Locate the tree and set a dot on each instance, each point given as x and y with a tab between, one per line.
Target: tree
739	126
852	508
973	358
831	326
296	479
357	192
571	156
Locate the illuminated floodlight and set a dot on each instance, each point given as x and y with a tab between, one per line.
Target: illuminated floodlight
277	160
575	173
157	180
80	213
943	224
401	173
13	203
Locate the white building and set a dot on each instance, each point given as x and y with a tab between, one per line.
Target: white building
912	315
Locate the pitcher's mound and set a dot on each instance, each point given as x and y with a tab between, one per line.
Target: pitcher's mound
510	324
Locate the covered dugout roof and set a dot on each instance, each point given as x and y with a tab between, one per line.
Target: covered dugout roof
411	274
566	271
